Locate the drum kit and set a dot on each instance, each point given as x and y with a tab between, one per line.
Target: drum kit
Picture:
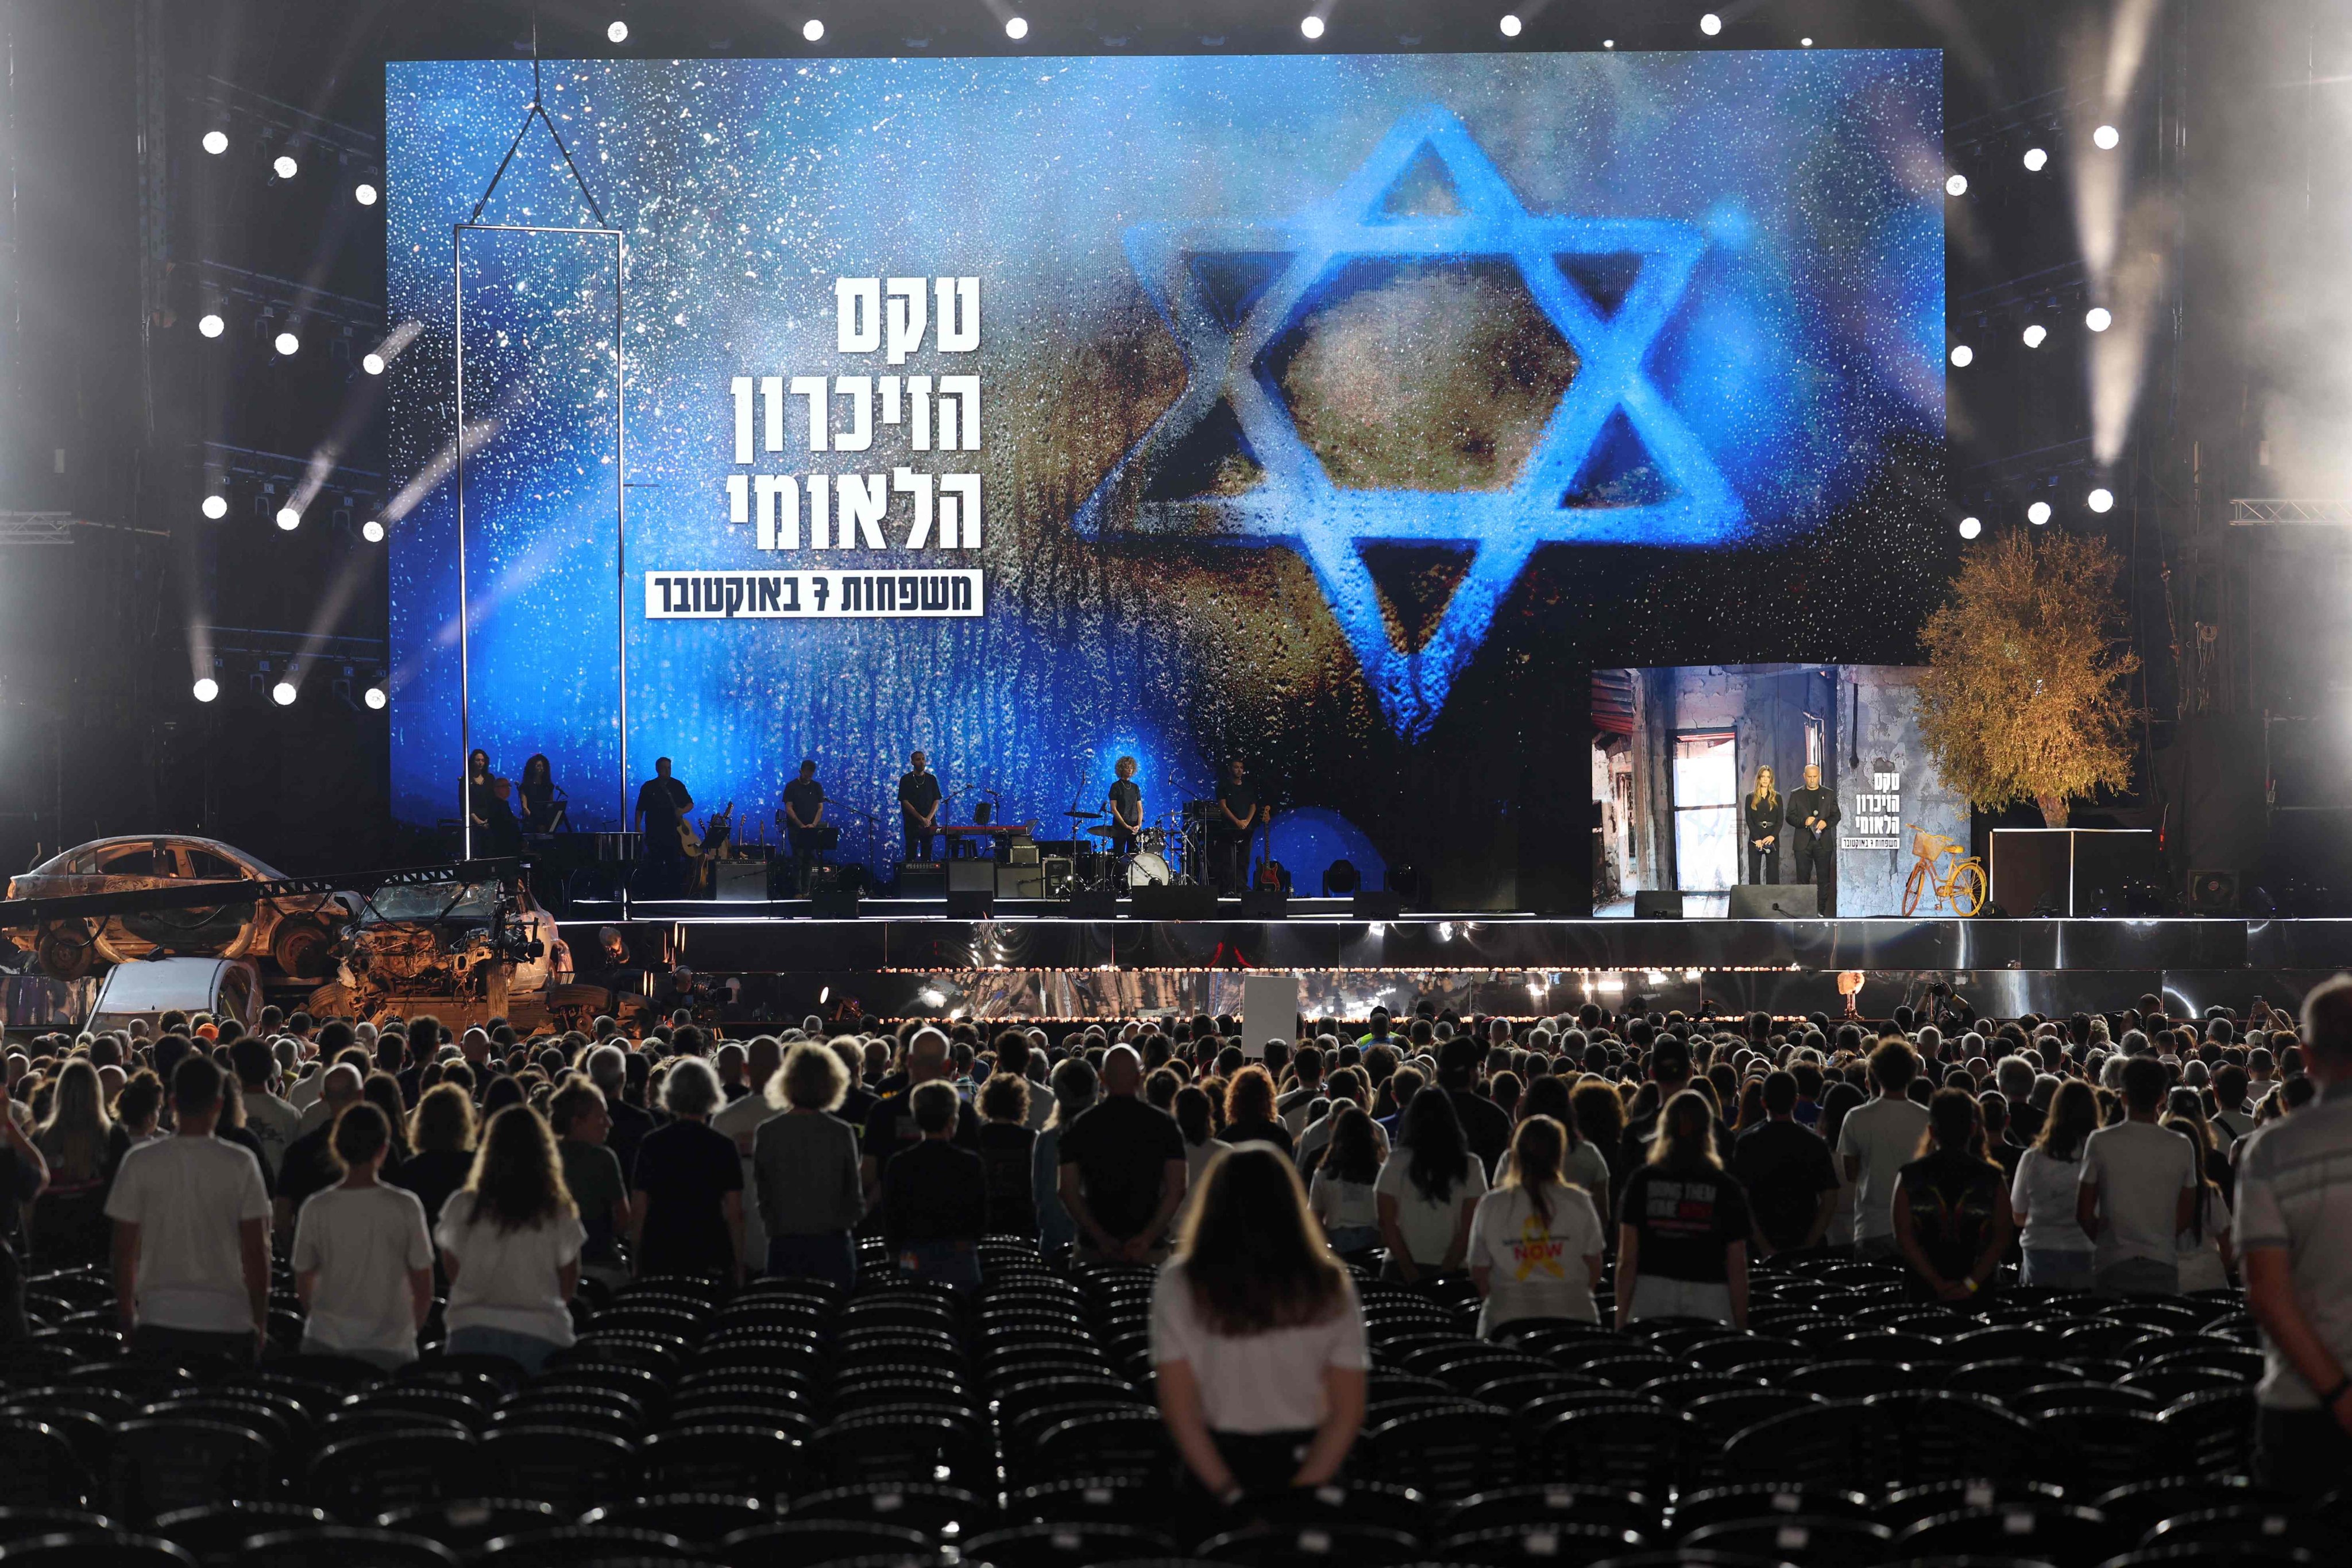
1167	853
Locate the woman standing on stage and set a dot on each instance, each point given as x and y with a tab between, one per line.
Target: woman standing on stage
1763	812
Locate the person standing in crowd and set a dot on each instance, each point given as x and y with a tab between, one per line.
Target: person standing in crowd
362	1261
1257	1338
1196	1119
23	1173
1250	1114
510	1245
575	1114
2295	1242
804	1171
274	1123
1073	1086
1952	1205
1486	1126
1683	1225
1122	1169
2042	1197
1428	1192
739	1122
441	1144
68	1226
2139	1191
890	1126
1345	1197
2202	1251
686	1206
935	1197
1009	1150
192	1235
1792	1186
1878	1140
1536	1241
608	1069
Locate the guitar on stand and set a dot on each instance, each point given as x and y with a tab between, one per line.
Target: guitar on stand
704	849
1267	875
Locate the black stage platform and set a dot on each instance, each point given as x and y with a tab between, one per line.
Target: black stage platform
904	958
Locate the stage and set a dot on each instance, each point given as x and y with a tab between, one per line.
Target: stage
904	958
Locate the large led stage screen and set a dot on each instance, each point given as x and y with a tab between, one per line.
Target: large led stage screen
1329	411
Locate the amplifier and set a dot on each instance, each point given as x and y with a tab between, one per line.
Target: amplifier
739	882
922	879
1020	881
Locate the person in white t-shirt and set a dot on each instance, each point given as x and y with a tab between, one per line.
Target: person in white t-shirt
1258	1337
1535	1242
2058	1255
363	1262
1345	1194
1429	1190
2139	1191
510	1244
270	1119
1878	1140
192	1234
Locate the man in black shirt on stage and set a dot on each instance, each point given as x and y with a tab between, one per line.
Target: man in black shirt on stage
803	814
918	808
662	804
1125	803
1232	821
1813	834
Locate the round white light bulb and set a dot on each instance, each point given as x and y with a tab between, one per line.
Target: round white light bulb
289	344
210	324
373	531
2101	499
1957	185
813	30
2107	138
289	518
215	507
285	166
1710	23
1311	25
374	697
217	142
2038	513
2036	160
372	362
1510	26
1016	27
618	32
205	688
283	694
2035	334
2098	318
1963	356
1970	528
364	194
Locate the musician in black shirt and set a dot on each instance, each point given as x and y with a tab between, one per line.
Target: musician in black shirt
803	814
662	804
1125	803
918	808
1235	817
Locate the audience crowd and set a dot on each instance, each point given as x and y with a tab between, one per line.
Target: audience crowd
446	1193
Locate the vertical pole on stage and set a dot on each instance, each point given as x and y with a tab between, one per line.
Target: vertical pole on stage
621	509
464	615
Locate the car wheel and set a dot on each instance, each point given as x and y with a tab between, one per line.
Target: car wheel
304	949
66	949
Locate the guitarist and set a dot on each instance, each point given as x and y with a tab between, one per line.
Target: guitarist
662	804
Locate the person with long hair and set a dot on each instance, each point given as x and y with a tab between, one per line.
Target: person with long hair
1951	1206
1075	1086
68	1226
1195	1113
543	803
441	1148
1682	1230
1258	1337
2057	1254
510	1243
1601	1123
1840	1100
1536	1240
362	1261
1429	1191
2203	1246
1764	815
1345	1196
1582	1164
488	804
1249	1111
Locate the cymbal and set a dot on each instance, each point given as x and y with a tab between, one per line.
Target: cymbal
1084	816
1102	829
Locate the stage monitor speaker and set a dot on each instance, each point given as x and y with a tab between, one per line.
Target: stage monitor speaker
1666	906
922	879
968	905
1368	905
1264	904
833	903
1093	904
1175	903
1776	901
971	876
1020	882
2212	892
739	882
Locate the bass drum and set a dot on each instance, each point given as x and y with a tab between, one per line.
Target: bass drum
1147	870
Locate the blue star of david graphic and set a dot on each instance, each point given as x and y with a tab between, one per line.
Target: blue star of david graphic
1299	505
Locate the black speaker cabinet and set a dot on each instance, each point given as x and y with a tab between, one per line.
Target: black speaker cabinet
1093	904
968	904
835	903
1261	904
1776	901
1368	905
1174	903
971	876
1666	906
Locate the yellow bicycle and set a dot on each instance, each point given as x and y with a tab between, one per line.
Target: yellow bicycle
1963	887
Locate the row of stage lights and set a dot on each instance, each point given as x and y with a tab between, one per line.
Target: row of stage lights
286	167
215	507
285	692
1310	28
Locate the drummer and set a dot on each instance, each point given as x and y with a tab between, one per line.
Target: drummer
1125	803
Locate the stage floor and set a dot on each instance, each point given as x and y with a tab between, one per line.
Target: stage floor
907	958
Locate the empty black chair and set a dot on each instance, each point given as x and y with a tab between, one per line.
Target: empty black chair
2254	1525
1724	1417
361	1477
467	1524
1901	1510
733	1459
889	1446
1764	1500
1828	1542
2137	1507
1646	1450
1090	1500
96	1548
1912	1438
691	1517
1855	1378
2046	1532
216	1530
1555	1502
2104	1449
32	1523
2207	1554
1310	1546
160	1465
344	1547
1445	1452
798	1542
1383	1504
2213	1430
39	1467
2005	1379
1065	1545
1109	1443
571	1469
1817	1446
944	1512
573	1546
1568	1545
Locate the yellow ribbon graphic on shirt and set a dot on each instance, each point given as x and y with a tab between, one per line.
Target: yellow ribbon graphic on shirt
1536	1249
